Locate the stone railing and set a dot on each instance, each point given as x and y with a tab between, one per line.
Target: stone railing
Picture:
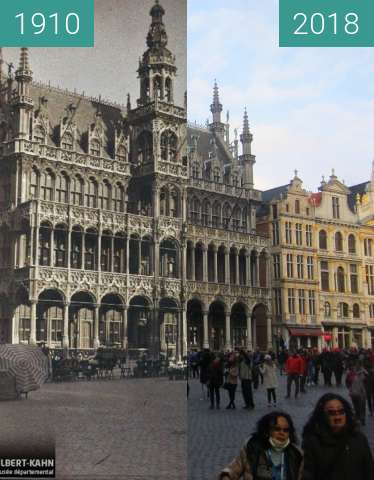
229	290
58	154
209	234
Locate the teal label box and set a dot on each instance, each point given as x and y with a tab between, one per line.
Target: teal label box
47	23
326	23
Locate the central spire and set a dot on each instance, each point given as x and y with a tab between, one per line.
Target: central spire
157	36
216	107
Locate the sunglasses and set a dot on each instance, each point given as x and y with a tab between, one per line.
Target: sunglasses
280	429
334	413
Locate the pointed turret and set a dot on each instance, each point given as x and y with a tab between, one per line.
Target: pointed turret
216	108
22	101
157	68
247	159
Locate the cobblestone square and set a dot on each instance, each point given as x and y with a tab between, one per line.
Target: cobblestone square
216	436
124	429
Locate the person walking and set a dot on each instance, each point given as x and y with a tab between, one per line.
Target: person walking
232	380
269	371
245	375
356	383
215	381
334	447
294	371
370	389
270	453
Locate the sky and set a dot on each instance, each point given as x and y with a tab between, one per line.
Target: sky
310	109
109	68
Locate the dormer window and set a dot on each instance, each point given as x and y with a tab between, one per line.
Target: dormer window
235	181
95	148
39	135
67	142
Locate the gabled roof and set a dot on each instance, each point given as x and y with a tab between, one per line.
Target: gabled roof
274	193
360	188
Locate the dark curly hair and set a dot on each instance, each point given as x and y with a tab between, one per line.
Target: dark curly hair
268	422
318	418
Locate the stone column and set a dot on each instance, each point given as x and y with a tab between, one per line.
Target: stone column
184	330
33	322
269	332
156	333
193	267
237	276
52	247
96	340
257	270
69	248
248	268
206	330
249	333
254	338
140	256
178	344
228	331
112	253
205	263
156	267
227	266
65	337
184	206
215	264
127	254
99	243
156	201
268	271
83	248
37	245
124	328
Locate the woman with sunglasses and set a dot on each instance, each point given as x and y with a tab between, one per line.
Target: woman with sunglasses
270	453
334	447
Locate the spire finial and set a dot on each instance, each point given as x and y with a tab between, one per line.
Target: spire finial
157	36
245	122
24	59
128	106
296	172
216	107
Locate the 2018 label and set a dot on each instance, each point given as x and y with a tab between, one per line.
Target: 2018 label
318	23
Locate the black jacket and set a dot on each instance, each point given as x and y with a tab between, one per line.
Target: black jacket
346	456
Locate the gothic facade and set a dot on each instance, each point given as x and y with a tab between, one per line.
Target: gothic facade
109	235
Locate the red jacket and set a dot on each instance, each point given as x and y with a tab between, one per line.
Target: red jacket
294	365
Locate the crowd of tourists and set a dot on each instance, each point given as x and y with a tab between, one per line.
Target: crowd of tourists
333	445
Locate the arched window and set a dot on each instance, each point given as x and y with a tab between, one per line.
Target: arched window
91	193
95	148
118	198
327	308
195	170
216	215
343	310
90	250
23	313
45	232
76	191
352	244
338	242
164	200
60	246
62	188
174	204
226	215
169	145
104	195
236	218
216	175
206	213
322	240
340	280
235	180
39	135
356	310
145	147
297	206
67	141
195	210
34	183
168	90
157	87
46	185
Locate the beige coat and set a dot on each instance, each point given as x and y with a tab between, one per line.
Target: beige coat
270	375
240	468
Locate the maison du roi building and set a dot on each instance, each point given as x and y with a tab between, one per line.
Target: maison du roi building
118	227
323	263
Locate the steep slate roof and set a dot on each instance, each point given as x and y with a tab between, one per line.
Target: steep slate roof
205	145
59	101
355	189
274	193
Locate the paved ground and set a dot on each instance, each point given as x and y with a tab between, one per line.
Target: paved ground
132	429
215	436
